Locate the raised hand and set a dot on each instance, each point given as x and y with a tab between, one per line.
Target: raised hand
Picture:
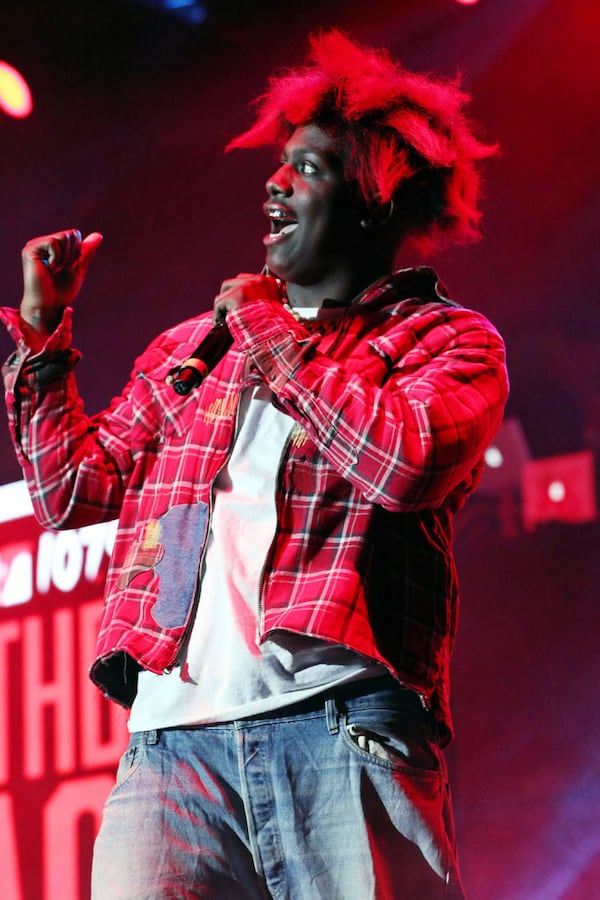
54	267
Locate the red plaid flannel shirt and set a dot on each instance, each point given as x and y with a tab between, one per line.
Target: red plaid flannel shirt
393	406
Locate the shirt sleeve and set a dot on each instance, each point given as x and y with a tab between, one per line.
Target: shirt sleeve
75	466
411	440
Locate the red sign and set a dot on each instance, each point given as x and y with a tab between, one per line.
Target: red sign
60	739
559	489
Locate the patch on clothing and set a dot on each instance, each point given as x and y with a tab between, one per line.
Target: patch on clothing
169	547
220	408
298	436
182	531
143	556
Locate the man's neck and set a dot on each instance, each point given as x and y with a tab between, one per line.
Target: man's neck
340	291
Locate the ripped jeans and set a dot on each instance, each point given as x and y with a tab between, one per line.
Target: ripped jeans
341	797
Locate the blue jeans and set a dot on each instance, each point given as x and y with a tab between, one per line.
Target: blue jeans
342	797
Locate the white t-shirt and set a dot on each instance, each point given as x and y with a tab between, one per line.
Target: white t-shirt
223	673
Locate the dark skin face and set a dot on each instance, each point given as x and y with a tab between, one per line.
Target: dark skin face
319	243
322	242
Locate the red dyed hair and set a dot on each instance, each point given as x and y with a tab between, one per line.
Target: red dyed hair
405	135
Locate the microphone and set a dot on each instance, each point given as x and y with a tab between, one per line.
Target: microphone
205	357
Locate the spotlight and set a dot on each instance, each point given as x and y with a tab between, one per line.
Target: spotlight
15	96
190	12
504	459
559	489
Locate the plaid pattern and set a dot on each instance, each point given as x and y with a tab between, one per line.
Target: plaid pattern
394	406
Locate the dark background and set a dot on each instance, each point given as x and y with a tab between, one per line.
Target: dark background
132	109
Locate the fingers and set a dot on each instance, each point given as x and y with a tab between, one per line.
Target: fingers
63	250
89	246
252	286
240	281
244	288
56	251
250	278
54	267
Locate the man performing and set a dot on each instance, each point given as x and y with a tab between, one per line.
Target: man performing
282	599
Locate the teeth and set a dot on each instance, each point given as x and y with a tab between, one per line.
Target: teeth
281	222
278	215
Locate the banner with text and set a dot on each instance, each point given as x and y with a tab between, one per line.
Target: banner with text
60	740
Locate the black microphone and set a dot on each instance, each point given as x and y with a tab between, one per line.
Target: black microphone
205	357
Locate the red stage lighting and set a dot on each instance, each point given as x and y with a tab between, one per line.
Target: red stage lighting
15	96
559	489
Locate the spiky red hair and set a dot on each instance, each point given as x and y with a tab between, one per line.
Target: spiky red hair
405	134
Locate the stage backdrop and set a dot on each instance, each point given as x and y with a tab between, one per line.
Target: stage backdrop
59	738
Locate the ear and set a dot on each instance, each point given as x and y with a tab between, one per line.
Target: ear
378	216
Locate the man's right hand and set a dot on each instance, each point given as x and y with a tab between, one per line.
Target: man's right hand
54	267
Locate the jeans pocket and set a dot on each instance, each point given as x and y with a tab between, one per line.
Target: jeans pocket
130	760
390	737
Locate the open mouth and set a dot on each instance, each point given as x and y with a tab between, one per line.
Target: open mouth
282	223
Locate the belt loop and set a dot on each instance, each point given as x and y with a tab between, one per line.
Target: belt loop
152	737
332	716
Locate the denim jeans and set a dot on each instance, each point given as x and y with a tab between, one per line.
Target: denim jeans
343	797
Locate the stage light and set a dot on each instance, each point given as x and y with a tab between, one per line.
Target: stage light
493	457
559	489
190	12
501	477
15	96
504	459
467	2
